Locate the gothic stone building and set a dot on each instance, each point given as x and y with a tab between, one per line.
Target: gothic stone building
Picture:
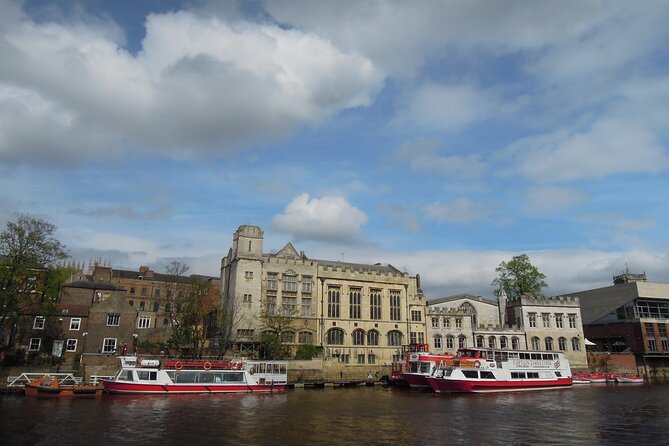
356	313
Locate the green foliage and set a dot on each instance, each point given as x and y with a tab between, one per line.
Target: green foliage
518	276
306	352
271	347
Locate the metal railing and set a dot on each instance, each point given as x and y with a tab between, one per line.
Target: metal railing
25	378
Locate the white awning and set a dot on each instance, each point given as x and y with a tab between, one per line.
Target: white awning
588	342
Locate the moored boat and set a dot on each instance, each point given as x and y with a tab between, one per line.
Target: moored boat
51	387
482	370
597	378
580	378
629	378
422	365
177	376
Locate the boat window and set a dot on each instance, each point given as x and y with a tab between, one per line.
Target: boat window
517	375
532	374
185	377
524	356
128	376
425	367
147	375
536	355
486	374
234	377
471	374
558	374
206	377
513	355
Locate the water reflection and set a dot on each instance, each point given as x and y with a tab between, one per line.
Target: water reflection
587	415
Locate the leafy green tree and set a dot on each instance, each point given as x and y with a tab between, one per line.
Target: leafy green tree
518	276
29	276
277	323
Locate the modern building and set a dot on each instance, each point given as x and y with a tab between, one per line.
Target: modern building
630	316
355	313
547	324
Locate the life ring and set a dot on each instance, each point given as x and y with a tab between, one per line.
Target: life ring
179	365
207	365
491	365
477	364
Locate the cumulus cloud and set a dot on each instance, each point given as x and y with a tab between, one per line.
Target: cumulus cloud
199	85
461	210
541	200
331	219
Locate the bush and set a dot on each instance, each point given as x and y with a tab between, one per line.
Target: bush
306	352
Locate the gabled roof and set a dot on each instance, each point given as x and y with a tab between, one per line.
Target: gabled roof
464	296
113	304
287	251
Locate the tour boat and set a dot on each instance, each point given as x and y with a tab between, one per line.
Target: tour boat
422	365
185	376
51	387
399	369
482	370
629	378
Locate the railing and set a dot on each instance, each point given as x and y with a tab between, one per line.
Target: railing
95	379
25	378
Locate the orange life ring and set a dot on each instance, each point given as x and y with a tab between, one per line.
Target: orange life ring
207	365
477	364
179	365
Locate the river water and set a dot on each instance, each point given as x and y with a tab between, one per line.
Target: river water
582	415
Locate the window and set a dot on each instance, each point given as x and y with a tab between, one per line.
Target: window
168	307
71	345
492	342
289	305
371	358
288	337
142	305
358	337
503	343
270	305
375	304
113	320
166	322
450	344
344	358
131	303
536	343
549	343
361	358
109	345
532	318
290	284
437	342
546	319
514	343
447	322
248	298
395	306
650	330
572	320
245	332
156	306
306	307
35	344
157	292
562	344
435	322
462	341
306	284
272	281
335	336
248	274
479	341
144	322
75	323
458	323
333	302
372	337
558	320
306	337
145	291
651	308
417	337
575	344
652	345
354	309
132	290
416	315
38	323
394	338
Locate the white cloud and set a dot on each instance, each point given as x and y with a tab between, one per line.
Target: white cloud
328	219
424	156
541	200
198	85
461	210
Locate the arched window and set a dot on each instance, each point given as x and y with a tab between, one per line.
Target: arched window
469	308
515	345
358	337
536	343
437	342
306	337
335	336
576	344
450	342
503	343
288	337
492	342
562	344
462	341
549	344
394	338
372	337
479	341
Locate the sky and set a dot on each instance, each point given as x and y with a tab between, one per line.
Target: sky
441	137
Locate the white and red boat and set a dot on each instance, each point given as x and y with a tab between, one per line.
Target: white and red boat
177	376
629	378
422	365
482	370
401	368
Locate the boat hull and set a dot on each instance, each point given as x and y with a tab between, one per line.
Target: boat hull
417	380
63	392
441	385
138	388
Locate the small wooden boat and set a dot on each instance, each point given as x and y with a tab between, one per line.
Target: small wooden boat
50	387
629	378
597	378
580	378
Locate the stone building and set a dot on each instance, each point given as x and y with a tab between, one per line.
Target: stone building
355	313
551	324
630	316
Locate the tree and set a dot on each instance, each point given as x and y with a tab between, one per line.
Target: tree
277	324
518	276
29	277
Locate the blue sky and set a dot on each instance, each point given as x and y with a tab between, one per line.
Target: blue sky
442	137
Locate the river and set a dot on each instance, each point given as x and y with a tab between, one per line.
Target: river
582	415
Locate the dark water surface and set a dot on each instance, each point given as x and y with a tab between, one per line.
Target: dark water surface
583	415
